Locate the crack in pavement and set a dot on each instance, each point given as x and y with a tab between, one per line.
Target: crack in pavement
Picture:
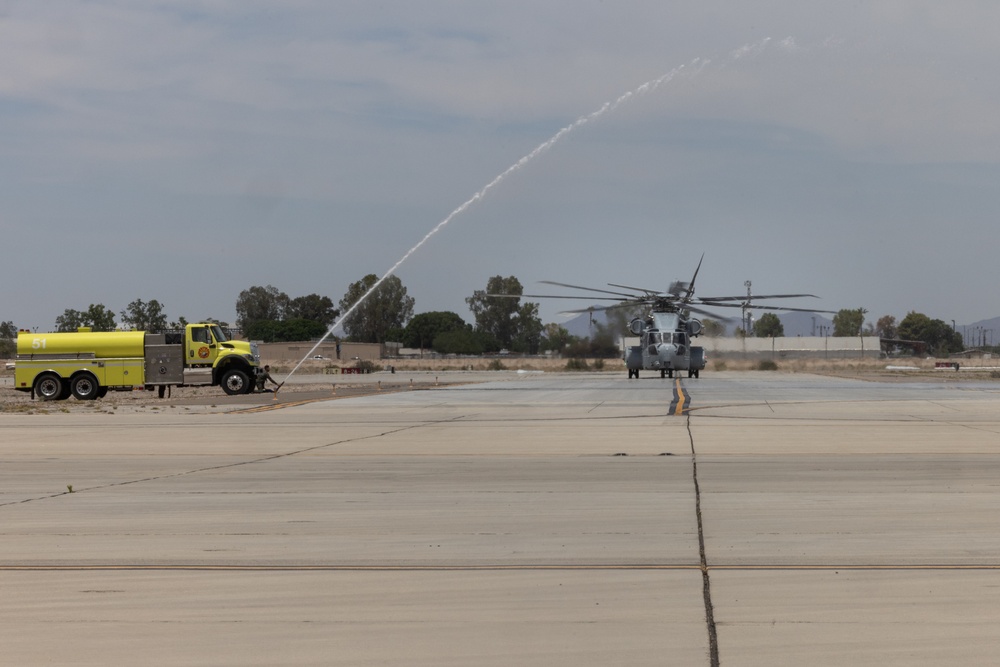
713	638
261	459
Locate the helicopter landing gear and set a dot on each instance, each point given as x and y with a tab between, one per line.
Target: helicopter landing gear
666	372
633	372
694	373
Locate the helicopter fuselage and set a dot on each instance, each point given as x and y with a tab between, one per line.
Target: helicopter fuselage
665	345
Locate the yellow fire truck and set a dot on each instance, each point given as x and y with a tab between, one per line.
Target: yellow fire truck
86	364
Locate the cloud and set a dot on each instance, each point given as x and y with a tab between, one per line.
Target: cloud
143	131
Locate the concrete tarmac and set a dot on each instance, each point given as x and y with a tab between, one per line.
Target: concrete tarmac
535	519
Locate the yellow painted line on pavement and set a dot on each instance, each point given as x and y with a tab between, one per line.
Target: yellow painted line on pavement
681	400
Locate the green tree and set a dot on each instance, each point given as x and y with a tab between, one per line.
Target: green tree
602	343
464	341
886	327
848	322
528	325
8	336
556	337
940	338
100	318
97	317
768	326
499	312
297	329
260	303
421	331
313	307
386	308
70	320
145	316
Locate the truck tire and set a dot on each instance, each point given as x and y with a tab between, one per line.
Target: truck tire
235	382
50	387
85	387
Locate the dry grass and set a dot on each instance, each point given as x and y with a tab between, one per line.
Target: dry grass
864	368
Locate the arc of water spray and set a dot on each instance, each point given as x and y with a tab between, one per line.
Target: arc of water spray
696	66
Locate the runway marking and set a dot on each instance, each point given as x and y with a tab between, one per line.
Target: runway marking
681	401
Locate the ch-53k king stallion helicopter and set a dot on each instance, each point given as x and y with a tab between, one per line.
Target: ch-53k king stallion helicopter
667	330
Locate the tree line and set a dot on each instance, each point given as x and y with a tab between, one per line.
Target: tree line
267	314
935	335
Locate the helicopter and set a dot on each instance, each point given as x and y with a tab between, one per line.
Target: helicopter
667	330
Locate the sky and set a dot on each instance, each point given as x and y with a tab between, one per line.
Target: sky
184	151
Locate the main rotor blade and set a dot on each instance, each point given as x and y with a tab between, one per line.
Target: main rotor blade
706	313
753	297
594	309
786	309
690	290
753	306
637	289
553	296
590	289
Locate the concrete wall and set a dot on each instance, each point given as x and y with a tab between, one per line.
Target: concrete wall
349	352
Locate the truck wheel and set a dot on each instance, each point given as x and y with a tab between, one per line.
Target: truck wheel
50	387
85	387
235	382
